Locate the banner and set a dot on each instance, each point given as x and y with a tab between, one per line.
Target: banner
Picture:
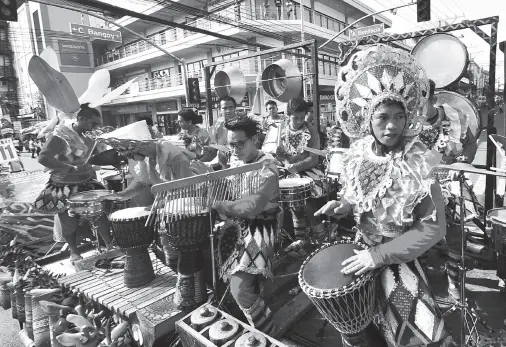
7	151
19	190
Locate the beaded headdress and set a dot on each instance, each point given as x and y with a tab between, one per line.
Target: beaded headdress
375	74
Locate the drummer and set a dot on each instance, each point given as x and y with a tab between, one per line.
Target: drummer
273	117
400	214
297	162
65	155
196	139
445	132
218	133
251	264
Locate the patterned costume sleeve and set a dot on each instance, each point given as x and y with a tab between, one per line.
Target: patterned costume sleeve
252	205
311	160
425	232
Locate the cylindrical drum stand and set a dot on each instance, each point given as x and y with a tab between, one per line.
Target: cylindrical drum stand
20	303
28	314
53	319
138	267
40	321
14	306
5	296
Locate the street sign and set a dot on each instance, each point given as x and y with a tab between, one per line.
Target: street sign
7	151
74	53
95	33
376	29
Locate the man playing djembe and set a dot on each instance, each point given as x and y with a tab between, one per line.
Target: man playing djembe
246	241
65	155
295	135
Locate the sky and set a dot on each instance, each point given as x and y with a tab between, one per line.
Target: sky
453	11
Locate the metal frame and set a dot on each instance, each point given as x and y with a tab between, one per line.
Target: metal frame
346	48
309	45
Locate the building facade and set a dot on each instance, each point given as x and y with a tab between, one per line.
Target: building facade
8	81
158	90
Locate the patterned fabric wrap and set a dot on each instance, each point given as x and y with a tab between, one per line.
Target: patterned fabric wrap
76	146
409	314
246	245
388	187
54	195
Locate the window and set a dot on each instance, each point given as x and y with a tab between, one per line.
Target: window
38	31
195	69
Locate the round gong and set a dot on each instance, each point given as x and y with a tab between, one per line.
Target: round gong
223	331
251	339
203	317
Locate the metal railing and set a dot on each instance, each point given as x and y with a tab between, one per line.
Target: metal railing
248	67
161	38
176	34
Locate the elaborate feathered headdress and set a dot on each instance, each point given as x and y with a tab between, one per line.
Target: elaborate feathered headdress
376	74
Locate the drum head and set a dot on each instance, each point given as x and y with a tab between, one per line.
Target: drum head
294	182
130	213
443	57
88	195
462	104
323	270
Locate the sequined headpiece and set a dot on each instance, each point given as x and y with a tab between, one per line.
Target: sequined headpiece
376	74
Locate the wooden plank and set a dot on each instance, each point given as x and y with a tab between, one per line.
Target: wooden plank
137	301
89	283
75	277
290	313
108	287
128	291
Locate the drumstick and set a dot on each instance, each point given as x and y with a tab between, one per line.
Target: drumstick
91	152
499	147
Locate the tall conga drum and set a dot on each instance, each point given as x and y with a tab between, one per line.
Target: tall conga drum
348	302
131	235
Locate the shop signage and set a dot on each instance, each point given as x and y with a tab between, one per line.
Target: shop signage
74	53
95	33
129	109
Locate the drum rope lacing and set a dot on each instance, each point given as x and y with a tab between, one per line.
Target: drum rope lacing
346	313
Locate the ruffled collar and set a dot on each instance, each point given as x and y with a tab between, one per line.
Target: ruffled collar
387	187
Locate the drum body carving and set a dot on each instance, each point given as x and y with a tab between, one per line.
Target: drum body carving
86	204
293	192
131	234
185	228
346	301
497	218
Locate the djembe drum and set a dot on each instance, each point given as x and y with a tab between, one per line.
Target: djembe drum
346	301
185	222
131	234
